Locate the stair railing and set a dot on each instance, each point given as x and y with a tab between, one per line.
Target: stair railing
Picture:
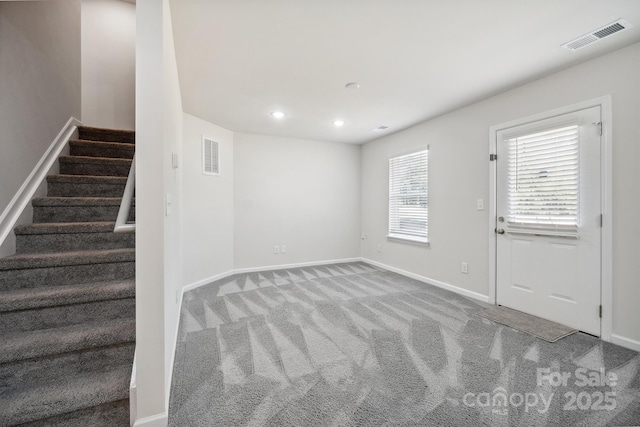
122	223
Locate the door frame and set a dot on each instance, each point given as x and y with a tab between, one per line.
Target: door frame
606	169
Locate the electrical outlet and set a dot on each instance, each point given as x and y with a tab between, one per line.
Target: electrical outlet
276	249
480	204
464	268
283	249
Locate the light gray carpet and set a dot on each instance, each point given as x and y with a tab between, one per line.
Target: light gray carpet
352	345
536	326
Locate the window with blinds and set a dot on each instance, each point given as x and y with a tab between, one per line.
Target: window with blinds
408	197
543	175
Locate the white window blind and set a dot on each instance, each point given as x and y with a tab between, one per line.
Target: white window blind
408	196
543	177
210	157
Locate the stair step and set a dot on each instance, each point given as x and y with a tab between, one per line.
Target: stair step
47	368
85	186
63	259
70	236
65	268
97	166
112	414
102	134
66	395
85	148
19	346
76	209
65	315
28	299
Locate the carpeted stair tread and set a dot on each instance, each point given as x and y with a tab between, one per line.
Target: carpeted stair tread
45	342
40	370
121	150
61	259
89	165
85	185
76	201
94	160
65	227
102	134
27	299
65	395
77	209
112	414
48	237
88	179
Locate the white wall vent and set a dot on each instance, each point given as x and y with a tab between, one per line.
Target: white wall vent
597	35
210	156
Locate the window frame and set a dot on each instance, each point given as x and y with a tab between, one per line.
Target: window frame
392	234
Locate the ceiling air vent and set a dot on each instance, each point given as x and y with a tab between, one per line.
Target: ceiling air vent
210	157
597	35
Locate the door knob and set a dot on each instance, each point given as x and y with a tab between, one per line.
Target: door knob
500	231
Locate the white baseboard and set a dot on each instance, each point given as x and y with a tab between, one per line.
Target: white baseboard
434	282
29	187
625	342
298	265
443	285
158	420
216	277
205	281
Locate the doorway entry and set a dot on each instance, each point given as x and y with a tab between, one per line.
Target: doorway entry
548	215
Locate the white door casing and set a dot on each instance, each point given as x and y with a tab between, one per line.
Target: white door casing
551	271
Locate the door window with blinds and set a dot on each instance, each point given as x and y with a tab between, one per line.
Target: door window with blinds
543	178
408	197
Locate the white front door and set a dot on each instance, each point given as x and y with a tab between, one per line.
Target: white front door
548	225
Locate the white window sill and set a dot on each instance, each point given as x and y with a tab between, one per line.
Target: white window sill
411	240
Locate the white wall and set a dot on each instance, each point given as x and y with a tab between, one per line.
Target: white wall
108	63
172	121
459	174
298	193
158	235
39	87
208	204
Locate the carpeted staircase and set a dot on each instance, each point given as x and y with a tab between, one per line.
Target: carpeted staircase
67	297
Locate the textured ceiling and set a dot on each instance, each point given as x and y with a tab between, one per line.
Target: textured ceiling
414	59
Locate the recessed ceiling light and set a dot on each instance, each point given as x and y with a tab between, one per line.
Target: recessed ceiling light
278	114
352	85
338	123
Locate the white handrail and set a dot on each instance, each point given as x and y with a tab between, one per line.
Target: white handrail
125	206
23	196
